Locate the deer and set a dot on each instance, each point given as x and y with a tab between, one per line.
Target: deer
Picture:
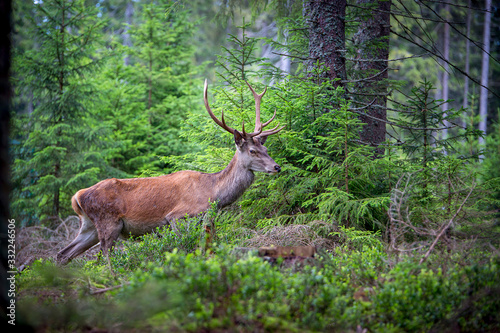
120	208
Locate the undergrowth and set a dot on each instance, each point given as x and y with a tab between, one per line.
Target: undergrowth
228	290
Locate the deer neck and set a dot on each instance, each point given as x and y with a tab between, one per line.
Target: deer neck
233	181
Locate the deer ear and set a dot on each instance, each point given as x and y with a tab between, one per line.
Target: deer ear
238	138
262	139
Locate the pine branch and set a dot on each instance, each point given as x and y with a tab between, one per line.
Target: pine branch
386	60
424	30
291	56
367	78
399	125
410	33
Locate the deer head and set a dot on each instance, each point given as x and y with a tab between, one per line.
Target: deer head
250	146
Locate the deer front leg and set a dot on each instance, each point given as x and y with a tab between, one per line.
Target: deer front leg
109	232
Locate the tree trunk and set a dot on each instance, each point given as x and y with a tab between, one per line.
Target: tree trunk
446	67
129	11
467	55
372	40
150	74
326	22
483	97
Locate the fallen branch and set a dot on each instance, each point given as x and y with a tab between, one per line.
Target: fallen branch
103	290
446	227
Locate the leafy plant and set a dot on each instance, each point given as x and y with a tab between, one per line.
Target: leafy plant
183	235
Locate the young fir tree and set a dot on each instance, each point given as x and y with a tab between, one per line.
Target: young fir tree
57	152
423	123
161	63
121	109
439	174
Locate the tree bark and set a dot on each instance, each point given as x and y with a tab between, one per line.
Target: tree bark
467	55
326	22
372	40
446	67
129	11
483	97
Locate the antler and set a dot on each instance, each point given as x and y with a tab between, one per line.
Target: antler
217	121
258	125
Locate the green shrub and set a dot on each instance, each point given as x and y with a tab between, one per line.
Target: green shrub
414	298
230	291
184	235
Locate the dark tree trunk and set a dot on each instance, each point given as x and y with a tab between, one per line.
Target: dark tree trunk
372	40
467	55
446	67
483	96
326	22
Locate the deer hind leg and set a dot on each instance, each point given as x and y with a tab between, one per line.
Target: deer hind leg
86	238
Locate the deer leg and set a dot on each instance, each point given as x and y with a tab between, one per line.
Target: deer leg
86	238
108	237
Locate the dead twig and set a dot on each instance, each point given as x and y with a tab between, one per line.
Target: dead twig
103	290
446	227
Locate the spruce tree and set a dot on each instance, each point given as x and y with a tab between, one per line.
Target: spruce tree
161	64
57	152
422	123
121	109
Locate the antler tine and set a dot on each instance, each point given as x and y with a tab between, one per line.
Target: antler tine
272	118
250	135
258	98
217	121
272	131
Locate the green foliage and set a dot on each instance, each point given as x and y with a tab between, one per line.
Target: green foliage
424	122
121	109
57	151
162	70
437	174
83	124
358	239
414	298
241	292
491	162
183	235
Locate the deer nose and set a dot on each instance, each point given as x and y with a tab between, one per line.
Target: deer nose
277	168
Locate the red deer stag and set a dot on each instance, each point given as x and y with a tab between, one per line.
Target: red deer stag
123	207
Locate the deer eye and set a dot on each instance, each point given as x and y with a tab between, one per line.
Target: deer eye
252	151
